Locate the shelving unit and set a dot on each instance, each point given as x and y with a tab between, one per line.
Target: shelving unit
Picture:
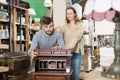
20	29
88	45
16	28
4	23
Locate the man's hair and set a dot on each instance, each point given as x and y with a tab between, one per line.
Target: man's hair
46	20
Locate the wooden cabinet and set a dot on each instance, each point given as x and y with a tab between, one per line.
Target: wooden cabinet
52	65
51	76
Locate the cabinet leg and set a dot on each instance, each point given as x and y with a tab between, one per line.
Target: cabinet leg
33	77
68	78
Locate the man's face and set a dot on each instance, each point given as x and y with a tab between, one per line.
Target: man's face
48	28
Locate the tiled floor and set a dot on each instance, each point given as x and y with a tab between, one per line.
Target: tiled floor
96	75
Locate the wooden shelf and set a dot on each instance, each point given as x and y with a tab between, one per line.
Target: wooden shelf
4	69
24	28
22	40
19	7
18	24
5	38
35	28
4	4
4	21
4	46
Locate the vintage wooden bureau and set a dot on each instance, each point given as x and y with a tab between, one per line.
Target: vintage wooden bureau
18	63
52	65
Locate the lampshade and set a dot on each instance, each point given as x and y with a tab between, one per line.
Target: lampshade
116	5
31	12
89	6
3	1
47	3
102	6
101	9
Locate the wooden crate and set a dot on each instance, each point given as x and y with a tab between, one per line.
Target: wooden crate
17	62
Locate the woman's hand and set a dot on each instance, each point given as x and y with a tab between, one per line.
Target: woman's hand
68	47
58	29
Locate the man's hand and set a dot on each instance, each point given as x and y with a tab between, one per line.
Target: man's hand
58	30
33	54
56	47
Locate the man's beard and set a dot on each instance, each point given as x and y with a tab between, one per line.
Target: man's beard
49	32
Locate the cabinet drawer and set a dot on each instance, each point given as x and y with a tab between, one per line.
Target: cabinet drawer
50	77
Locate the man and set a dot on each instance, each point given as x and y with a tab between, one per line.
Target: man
46	38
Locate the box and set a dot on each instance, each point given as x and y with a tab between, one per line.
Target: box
17	62
18	47
19	77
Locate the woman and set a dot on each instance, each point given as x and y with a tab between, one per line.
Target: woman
73	33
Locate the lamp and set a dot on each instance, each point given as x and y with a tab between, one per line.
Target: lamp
47	3
96	6
3	1
31	13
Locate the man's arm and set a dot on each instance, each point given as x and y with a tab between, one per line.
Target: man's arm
60	40
33	45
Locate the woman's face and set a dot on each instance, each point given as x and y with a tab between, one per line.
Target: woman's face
70	14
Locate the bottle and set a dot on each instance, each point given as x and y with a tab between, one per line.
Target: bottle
6	32
22	36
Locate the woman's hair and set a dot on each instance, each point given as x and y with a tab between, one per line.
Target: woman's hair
75	17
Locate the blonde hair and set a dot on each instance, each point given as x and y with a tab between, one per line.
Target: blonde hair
75	17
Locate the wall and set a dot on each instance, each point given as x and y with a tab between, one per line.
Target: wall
104	27
59	7
38	6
